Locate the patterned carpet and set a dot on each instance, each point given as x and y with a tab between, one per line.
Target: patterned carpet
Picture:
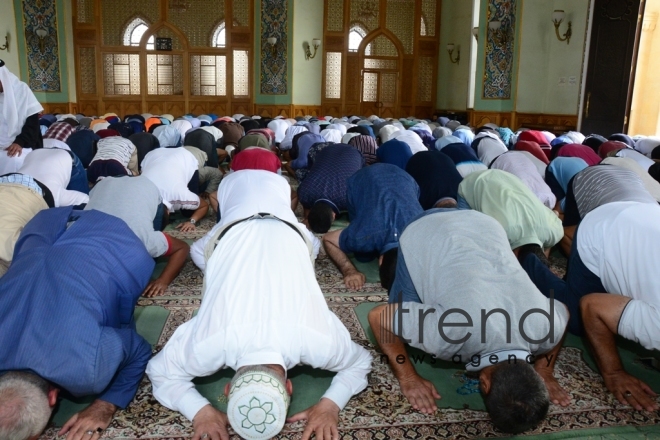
380	412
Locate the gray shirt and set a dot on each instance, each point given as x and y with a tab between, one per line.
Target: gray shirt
460	261
134	200
602	184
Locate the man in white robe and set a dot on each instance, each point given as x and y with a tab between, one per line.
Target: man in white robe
260	321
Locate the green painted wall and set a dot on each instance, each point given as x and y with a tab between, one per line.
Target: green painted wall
260	98
551	71
65	42
455	28
546	74
307	74
8	24
496	105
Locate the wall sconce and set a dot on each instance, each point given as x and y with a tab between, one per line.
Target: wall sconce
42	33
557	18
315	43
6	46
475	33
273	50
497	33
450	51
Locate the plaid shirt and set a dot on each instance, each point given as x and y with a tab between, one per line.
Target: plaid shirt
60	131
22	179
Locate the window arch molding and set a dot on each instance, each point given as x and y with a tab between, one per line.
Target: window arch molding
134	31
219	35
356	34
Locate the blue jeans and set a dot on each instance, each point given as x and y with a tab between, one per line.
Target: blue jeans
78	180
580	281
159	220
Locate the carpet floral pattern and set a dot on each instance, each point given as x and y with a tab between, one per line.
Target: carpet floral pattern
381	411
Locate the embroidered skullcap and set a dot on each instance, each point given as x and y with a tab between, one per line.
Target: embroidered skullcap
257	404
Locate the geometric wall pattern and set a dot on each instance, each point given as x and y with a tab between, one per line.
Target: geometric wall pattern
274	65
43	62
498	68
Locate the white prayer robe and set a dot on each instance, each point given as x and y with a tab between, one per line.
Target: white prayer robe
245	193
254	313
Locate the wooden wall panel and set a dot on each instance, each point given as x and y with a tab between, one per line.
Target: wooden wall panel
332	109
57	107
88	107
306	110
552	122
270	111
243	108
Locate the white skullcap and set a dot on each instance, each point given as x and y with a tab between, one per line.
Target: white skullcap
257	404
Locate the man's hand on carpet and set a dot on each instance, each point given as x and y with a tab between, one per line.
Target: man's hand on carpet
95	418
322	420
631	391
354	280
557	394
186	227
420	393
155	288
210	424
14	150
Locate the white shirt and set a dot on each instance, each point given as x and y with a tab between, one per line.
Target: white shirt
247	192
115	148
638	157
412	140
170	169
52	167
54	143
254	313
620	243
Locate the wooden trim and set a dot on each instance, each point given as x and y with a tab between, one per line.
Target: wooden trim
177	105
538	121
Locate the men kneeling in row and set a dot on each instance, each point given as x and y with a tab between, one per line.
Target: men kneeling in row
92	304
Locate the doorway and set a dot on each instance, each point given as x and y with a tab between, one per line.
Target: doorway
645	112
380	93
612	57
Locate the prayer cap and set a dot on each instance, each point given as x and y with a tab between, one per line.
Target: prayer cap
168	117
257	404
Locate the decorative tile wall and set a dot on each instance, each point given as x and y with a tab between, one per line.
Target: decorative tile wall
43	58
274	63
116	14
401	21
498	68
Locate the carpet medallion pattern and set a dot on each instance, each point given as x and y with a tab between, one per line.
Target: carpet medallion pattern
381	411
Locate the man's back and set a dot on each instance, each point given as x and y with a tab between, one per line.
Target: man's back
328	177
135	200
474	271
66	292
382	199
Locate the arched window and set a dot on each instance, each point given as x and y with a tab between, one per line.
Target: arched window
219	36
134	32
423	27
355	37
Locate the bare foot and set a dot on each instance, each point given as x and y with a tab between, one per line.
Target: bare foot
420	393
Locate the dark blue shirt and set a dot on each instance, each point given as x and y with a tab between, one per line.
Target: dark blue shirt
460	153
436	175
67	302
394	152
328	177
382	199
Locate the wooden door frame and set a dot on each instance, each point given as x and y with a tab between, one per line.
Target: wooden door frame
399	60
